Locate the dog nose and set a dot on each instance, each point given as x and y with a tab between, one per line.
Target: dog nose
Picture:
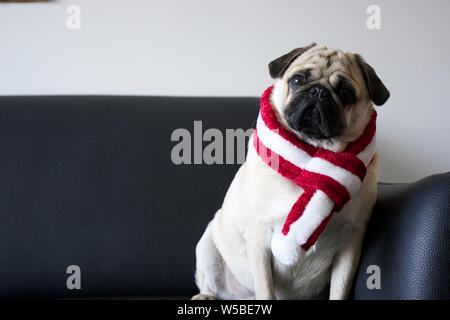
320	92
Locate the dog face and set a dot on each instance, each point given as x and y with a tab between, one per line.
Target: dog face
325	95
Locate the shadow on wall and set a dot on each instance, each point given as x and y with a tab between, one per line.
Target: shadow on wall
395	167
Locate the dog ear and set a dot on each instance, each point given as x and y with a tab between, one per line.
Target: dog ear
378	93
278	66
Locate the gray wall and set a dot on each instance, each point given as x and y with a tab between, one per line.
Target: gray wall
202	47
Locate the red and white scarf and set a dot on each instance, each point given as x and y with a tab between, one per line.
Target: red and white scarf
328	179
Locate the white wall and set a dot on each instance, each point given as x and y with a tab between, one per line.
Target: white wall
205	47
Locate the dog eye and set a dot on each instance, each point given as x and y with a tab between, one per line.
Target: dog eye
297	80
346	95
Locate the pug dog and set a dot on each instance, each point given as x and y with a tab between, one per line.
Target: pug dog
234	258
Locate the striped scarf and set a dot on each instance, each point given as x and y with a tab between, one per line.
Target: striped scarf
328	179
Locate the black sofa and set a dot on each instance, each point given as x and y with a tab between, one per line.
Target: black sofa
89	181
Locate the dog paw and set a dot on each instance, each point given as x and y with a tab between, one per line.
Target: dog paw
202	296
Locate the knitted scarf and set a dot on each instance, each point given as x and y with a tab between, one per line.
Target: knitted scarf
328	179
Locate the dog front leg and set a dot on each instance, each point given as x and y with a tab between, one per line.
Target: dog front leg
260	260
347	259
344	267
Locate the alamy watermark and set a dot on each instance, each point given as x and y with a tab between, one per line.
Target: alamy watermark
373	21
214	146
218	148
373	281
73	21
74	279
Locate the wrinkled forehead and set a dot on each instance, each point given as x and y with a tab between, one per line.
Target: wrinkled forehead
323	62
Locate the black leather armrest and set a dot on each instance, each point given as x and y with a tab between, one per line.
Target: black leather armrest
408	237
